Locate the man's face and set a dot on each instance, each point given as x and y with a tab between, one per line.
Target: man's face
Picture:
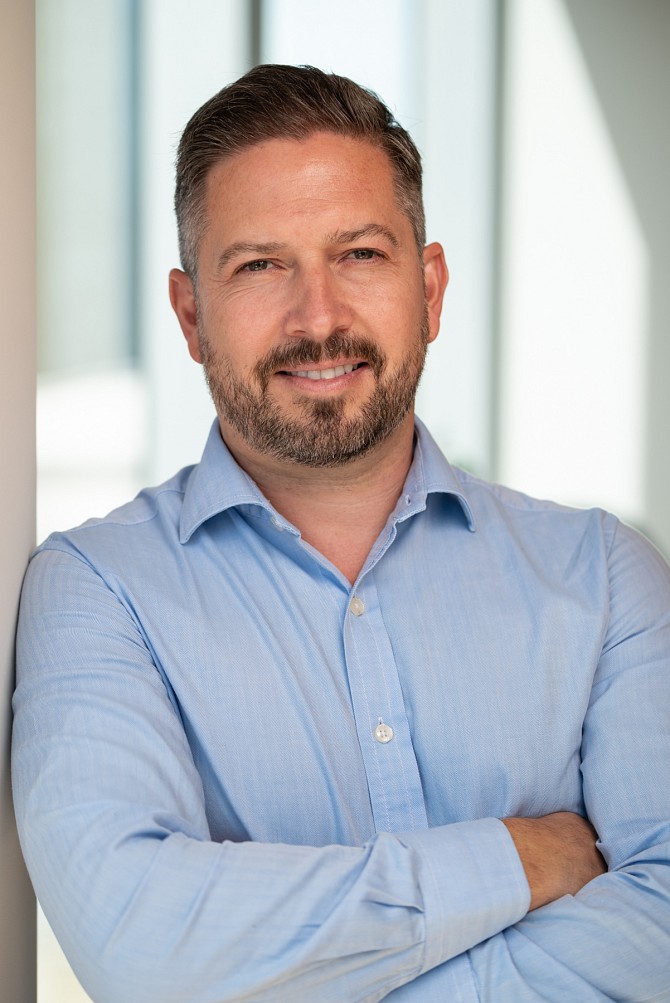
311	322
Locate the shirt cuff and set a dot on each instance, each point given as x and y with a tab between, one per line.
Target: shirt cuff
473	884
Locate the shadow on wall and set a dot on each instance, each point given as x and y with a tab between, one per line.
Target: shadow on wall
625	47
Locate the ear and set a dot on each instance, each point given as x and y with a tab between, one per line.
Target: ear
182	298
436	277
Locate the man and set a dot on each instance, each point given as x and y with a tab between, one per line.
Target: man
322	718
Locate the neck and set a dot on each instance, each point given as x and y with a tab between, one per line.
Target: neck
340	511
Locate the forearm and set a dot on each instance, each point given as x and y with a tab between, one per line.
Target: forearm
610	942
559	854
140	919
112	816
142	901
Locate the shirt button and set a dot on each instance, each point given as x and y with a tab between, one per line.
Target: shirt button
383	733
357	606
276	523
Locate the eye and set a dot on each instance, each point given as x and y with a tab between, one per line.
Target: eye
364	254
261	265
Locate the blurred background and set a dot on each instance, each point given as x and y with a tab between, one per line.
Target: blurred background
546	141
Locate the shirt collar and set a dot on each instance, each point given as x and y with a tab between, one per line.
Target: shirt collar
431	473
218	483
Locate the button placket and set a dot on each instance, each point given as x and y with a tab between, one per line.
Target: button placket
394	784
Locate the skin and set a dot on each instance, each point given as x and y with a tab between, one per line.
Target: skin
305	242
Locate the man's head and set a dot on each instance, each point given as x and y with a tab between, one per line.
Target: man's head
307	293
286	102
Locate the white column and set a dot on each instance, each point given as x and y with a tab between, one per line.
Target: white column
456	134
184	61
17	449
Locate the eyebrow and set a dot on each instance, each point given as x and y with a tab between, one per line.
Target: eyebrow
243	247
368	230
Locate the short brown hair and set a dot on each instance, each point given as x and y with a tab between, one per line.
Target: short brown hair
286	102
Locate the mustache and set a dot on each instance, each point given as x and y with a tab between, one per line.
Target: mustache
304	352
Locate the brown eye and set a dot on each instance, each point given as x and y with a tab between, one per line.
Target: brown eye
256	266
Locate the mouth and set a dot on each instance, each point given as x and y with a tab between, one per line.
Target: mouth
324	374
308	366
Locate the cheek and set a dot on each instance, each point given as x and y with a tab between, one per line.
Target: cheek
400	322
247	323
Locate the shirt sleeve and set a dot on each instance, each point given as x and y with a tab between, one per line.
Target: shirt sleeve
147	907
612	940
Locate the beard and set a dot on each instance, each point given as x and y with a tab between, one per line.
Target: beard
318	433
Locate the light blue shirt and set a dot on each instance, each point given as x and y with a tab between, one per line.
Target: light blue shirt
239	778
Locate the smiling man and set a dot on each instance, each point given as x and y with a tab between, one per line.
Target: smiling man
324	718
311	312
336	296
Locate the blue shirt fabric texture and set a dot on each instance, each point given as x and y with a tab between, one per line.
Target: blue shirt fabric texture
239	778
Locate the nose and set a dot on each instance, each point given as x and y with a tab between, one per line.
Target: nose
319	307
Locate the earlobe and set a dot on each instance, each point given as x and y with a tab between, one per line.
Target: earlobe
436	278
182	298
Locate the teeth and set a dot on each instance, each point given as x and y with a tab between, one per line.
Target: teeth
324	374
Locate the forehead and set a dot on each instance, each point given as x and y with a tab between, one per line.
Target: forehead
324	173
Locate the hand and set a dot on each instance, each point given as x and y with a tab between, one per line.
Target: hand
558	853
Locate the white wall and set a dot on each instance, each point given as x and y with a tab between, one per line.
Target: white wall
17	450
585	253
626	46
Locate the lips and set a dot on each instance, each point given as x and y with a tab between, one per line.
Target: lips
325	374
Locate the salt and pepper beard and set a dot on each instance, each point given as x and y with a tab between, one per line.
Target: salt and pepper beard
319	435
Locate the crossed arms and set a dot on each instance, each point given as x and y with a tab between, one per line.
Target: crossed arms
148	906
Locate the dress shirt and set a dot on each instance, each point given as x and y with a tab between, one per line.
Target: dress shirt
239	778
